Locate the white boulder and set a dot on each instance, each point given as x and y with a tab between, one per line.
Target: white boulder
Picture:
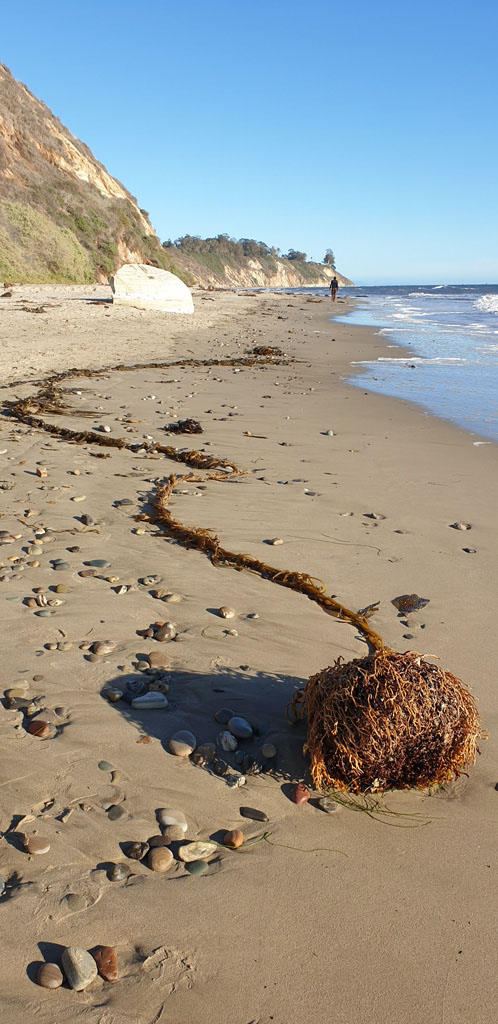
136	284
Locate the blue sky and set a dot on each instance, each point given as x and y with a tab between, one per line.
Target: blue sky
369	127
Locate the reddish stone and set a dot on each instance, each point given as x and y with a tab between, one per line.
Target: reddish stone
300	793
107	962
39	728
233	839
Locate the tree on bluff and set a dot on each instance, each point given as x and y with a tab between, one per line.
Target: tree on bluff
294	254
329	259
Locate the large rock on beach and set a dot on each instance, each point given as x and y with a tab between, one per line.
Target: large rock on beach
136	284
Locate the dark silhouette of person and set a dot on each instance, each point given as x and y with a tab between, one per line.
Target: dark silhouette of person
334	284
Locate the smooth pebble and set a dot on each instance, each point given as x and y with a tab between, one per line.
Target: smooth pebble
107	962
150	701
36	845
49	976
226	613
204	754
136	851
300	793
224	715
268	750
116	811
172	816
160	858
197	867
118	872
165	633
163	840
198	850
233	839
173	834
182	744
103	647
39	728
158	659
253	814
240	728
79	967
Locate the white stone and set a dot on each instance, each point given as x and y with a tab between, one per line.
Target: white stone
136	284
197	850
171	816
226	741
149	701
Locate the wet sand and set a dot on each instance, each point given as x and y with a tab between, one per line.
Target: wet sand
340	917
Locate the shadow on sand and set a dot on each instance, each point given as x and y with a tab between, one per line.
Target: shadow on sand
193	700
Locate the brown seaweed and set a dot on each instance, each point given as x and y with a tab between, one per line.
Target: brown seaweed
187	426
388	720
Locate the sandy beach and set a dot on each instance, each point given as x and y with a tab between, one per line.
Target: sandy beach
344	917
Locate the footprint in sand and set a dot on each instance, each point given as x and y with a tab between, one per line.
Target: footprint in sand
147	978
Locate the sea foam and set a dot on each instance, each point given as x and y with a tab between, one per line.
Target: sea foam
487	302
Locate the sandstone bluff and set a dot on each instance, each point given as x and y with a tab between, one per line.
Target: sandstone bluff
65	219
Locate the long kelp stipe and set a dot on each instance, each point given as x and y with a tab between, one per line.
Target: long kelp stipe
202	539
387	720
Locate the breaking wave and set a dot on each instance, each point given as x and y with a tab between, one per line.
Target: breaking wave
489	303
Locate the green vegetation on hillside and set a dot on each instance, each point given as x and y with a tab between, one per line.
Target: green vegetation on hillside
102	230
33	248
58	238
221	252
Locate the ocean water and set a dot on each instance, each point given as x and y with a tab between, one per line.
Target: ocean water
451	332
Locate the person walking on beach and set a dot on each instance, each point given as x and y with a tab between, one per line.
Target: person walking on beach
334	284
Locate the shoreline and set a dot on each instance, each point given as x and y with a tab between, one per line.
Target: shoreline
414	353
377	910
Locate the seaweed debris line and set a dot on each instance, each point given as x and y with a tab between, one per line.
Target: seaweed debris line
388	720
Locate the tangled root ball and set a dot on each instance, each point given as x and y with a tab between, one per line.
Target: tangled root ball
388	721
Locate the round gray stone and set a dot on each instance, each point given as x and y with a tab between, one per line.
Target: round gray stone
116	812
224	715
79	967
240	728
268	750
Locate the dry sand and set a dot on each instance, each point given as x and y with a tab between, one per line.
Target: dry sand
344	918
